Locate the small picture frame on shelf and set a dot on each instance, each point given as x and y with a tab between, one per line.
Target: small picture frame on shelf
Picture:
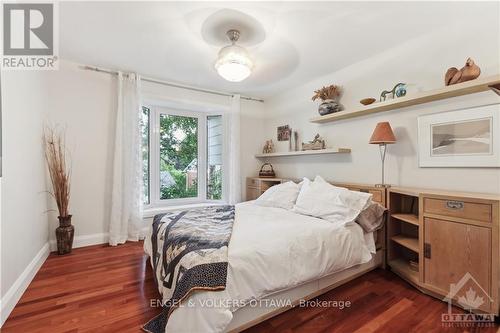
284	133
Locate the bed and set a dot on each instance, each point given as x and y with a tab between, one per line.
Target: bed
276	259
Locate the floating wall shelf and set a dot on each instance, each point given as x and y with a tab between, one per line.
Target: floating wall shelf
464	88
306	152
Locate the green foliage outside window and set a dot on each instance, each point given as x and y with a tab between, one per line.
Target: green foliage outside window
178	136
179	189
214	188
178	154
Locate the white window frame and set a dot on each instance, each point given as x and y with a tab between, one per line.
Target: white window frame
156	109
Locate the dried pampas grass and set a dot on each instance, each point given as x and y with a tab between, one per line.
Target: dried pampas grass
59	171
330	92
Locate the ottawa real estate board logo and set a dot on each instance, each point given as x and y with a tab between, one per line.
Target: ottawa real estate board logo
472	297
29	36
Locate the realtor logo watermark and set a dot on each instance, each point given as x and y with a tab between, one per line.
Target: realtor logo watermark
30	39
472	297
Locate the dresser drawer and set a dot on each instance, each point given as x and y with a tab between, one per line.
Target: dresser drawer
253	182
458	208
253	193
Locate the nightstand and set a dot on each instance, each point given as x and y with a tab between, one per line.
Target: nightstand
256	186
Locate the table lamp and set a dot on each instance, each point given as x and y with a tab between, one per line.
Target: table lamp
382	136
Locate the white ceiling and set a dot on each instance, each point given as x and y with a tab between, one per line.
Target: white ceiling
302	40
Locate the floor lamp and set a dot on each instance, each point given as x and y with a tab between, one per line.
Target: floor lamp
382	136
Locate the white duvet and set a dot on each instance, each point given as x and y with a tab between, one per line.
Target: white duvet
271	249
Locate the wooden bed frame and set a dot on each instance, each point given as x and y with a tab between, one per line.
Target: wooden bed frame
249	316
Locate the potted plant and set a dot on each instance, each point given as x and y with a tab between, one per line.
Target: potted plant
55	155
328	96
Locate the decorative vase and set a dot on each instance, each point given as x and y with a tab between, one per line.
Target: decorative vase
64	235
329	106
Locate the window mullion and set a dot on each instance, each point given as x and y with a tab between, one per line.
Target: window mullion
155	188
201	158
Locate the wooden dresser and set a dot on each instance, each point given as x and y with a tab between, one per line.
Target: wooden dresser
446	243
256	186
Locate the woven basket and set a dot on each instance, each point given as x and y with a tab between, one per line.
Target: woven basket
267	171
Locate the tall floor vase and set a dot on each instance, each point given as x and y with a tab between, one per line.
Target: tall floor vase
64	235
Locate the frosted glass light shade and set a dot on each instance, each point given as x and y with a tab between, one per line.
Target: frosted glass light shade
234	63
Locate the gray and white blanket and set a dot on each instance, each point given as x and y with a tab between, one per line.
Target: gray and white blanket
189	252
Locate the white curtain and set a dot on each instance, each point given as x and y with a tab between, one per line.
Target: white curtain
126	205
234	178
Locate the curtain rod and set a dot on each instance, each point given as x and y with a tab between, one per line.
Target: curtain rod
170	84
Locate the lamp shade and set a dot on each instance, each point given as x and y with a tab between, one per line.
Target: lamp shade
383	134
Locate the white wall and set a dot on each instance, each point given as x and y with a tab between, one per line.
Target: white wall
24	225
83	102
252	130
421	62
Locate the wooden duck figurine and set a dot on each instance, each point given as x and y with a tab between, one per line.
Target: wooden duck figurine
469	72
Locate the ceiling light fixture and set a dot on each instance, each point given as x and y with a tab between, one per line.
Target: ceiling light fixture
233	63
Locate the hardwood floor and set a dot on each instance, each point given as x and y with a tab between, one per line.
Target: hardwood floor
94	289
108	289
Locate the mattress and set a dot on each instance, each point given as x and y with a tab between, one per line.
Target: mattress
271	250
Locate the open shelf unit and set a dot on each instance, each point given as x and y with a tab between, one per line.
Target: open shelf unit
408	218
464	88
306	152
408	242
401	267
403	233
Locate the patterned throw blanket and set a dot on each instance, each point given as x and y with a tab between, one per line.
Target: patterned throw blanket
189	252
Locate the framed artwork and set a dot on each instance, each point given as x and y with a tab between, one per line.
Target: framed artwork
462	138
283	133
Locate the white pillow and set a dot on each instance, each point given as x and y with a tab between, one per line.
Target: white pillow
334	204
280	196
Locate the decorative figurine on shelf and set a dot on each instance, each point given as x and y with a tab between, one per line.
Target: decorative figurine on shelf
399	90
328	96
296	140
316	144
469	72
268	147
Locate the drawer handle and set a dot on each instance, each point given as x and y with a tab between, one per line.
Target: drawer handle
455	205
427	250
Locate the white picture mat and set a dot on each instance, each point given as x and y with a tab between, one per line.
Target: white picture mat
425	123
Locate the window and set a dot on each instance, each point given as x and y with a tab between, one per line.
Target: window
182	156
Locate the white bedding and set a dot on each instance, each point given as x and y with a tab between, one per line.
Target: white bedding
271	249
